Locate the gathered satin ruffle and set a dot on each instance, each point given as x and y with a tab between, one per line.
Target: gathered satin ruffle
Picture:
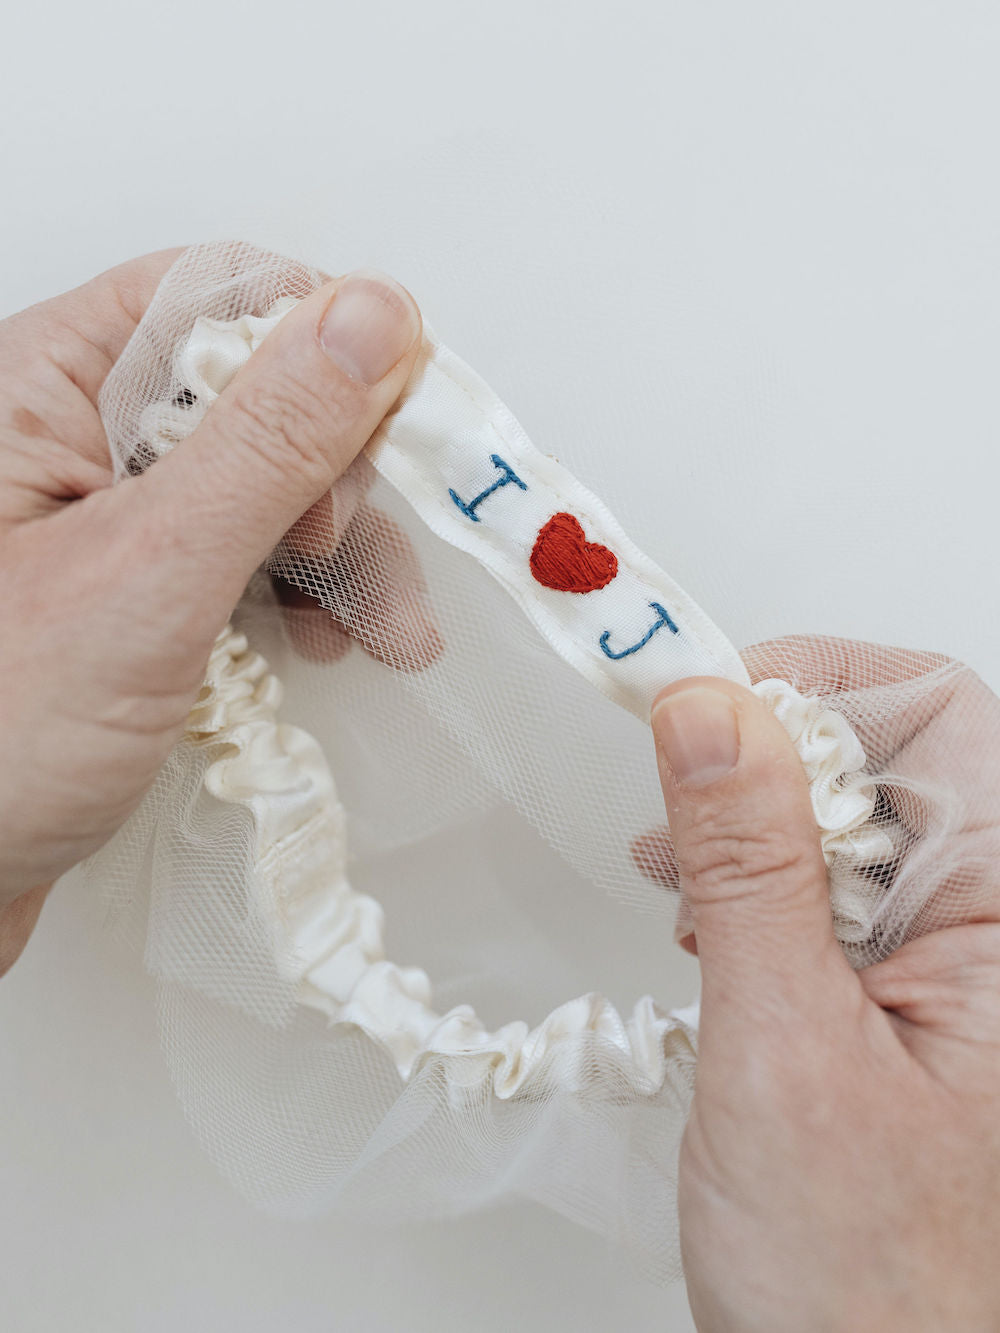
331	937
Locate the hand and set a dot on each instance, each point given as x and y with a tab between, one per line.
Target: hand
840	1169
114	595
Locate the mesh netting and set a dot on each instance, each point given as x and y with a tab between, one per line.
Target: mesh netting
432	699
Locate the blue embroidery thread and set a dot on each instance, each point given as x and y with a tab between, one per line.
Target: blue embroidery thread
662	618
509	476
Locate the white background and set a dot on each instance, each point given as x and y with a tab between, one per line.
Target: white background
736	263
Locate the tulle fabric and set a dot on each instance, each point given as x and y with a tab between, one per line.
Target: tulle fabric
375	665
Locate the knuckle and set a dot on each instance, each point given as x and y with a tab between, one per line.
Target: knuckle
728	861
286	422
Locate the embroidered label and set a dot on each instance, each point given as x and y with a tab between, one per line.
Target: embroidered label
458	456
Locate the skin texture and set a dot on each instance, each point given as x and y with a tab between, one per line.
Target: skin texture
841	1166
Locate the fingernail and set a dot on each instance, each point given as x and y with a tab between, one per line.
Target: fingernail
368	326
697	735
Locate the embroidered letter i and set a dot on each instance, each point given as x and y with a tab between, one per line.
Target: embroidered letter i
509	477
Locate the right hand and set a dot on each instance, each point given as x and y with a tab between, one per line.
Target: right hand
115	594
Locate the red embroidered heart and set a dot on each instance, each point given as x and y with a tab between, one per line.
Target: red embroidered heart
562	558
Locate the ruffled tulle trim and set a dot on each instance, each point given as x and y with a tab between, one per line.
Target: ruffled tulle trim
332	940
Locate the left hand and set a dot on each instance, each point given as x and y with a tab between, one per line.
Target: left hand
840	1168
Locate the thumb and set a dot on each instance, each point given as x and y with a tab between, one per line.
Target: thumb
748	853
280	435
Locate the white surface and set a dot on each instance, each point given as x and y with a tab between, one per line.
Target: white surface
748	248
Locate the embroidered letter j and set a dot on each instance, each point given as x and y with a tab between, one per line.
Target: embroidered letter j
662	619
